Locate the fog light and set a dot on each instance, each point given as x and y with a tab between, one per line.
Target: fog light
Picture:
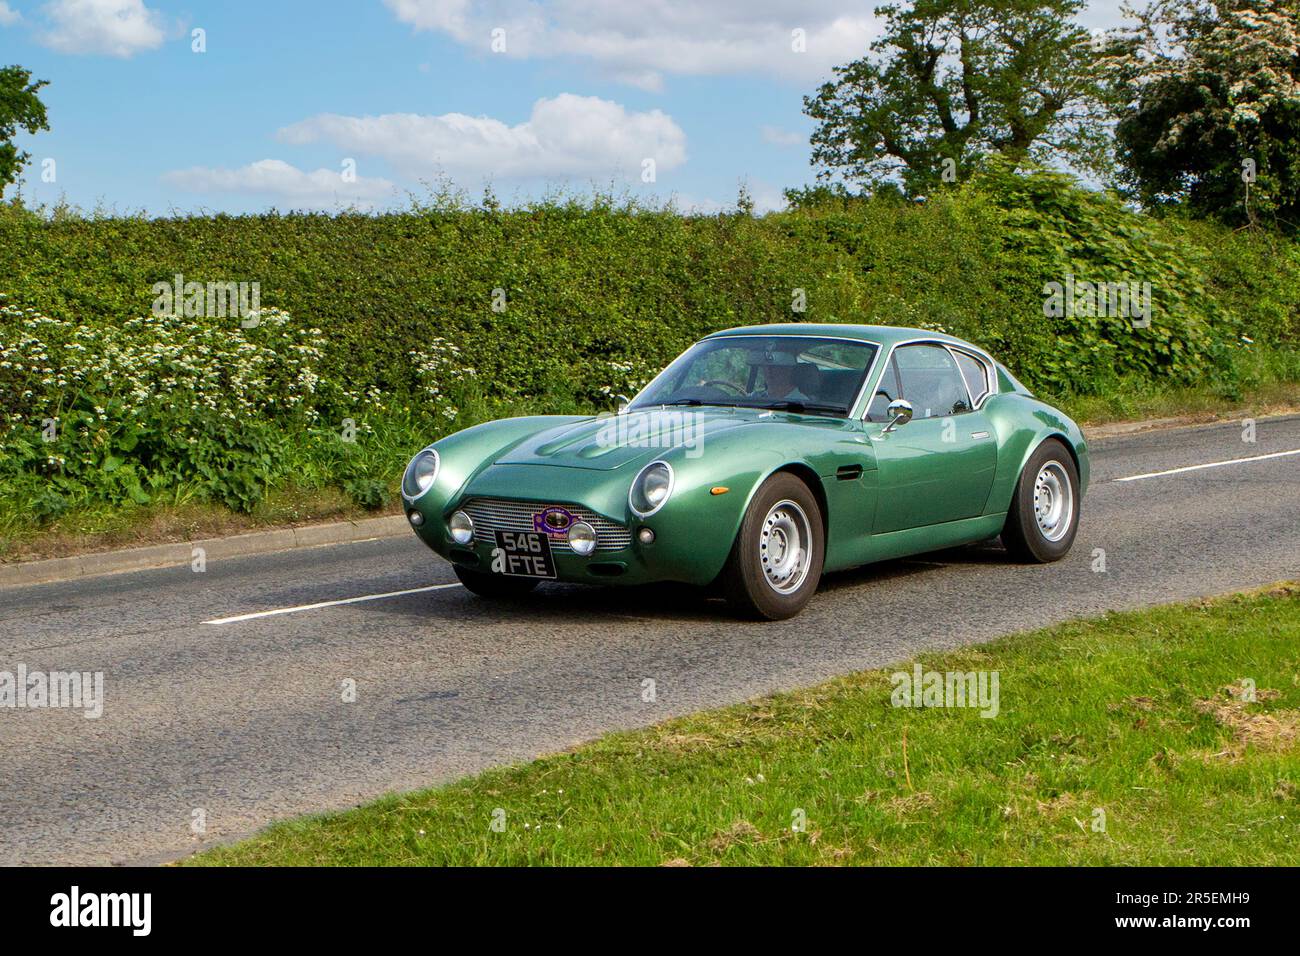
462	528
645	536
582	538
416	519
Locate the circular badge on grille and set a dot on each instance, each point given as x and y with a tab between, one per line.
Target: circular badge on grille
552	520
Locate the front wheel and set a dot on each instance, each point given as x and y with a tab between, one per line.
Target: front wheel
776	561
1044	514
491	585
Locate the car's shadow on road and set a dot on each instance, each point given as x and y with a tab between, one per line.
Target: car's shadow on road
885	572
681	603
555	604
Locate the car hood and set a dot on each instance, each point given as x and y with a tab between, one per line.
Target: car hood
611	441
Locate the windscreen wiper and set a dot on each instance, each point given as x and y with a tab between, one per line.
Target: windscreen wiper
695	402
801	407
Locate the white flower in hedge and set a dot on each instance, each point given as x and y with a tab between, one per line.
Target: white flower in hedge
145	358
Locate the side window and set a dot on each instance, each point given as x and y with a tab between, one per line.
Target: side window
977	379
931	381
886	392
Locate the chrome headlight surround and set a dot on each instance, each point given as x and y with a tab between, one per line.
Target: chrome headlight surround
582	538
461	528
420	474
643	505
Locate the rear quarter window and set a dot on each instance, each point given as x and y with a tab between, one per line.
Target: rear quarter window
975	374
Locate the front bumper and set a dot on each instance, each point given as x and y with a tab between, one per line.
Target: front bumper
636	563
682	551
693	531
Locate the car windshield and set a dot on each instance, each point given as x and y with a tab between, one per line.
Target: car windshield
794	373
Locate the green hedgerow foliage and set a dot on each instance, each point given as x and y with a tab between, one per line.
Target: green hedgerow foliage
1047	230
387	321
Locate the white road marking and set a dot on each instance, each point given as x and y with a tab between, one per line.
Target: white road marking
319	604
1213	464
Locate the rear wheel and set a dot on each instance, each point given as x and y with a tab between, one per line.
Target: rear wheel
489	585
776	561
1044	514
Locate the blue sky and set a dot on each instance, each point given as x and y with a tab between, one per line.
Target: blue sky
300	104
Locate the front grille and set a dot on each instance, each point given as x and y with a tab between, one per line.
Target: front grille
500	514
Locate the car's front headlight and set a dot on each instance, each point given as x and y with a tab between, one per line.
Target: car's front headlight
582	538
461	527
420	473
651	489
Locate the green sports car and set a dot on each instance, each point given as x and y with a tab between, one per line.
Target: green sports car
757	460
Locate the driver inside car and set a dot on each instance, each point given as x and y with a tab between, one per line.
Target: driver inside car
786	379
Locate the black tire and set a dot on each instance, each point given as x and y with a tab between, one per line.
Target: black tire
1023	535
745	582
489	585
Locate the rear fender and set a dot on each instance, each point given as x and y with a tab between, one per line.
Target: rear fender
1022	424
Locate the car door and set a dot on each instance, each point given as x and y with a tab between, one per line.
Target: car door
939	466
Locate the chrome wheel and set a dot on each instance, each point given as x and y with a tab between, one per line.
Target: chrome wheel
1053	501
784	547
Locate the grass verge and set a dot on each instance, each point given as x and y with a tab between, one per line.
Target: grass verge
109	528
1143	716
1278	398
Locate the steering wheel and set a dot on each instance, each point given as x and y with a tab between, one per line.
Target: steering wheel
722	383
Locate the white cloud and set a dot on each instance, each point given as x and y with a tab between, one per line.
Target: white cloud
277	179
8	15
782	137
115	27
565	136
638	42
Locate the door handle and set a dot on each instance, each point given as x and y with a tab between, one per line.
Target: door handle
979	434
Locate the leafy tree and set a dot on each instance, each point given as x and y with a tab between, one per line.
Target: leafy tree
1210	95
951	82
19	107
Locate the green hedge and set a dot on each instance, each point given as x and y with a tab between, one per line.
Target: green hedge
586	286
598	296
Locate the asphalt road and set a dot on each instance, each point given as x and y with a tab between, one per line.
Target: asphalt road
245	721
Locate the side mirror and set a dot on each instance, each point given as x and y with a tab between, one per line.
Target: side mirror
899	412
622	401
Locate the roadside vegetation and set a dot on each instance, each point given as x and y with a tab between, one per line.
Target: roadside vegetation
378	334
1158	737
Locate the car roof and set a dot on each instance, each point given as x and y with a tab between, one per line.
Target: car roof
884	335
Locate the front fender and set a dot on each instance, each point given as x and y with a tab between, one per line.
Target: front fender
465	453
695	530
